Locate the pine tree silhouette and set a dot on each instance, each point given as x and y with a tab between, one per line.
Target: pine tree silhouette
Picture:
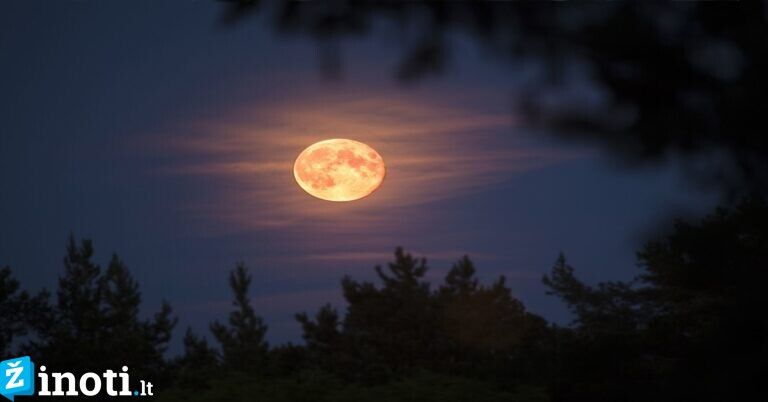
242	340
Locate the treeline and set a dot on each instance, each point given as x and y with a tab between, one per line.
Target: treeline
690	326
92	322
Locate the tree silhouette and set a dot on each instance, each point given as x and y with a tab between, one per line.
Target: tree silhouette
95	323
80	294
705	284
10	305
323	337
601	356
402	327
613	306
483	327
391	327
18	310
689	327
242	340
461	280
199	363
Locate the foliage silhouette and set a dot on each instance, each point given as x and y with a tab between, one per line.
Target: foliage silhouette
18	310
322	337
403	327
688	327
94	324
242	341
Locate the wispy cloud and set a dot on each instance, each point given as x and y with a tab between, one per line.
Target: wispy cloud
434	150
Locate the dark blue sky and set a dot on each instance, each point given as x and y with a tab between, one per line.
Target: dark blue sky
168	139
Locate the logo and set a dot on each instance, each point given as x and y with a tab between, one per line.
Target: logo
17	377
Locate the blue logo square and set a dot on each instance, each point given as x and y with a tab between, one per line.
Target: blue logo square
17	377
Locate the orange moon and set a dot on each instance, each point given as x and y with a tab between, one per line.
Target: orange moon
339	170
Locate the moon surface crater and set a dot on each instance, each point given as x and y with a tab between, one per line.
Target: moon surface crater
339	170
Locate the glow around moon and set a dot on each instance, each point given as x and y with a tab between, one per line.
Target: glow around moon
339	170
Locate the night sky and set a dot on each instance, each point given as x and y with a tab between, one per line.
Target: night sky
169	139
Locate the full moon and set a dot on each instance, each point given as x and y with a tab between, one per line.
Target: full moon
339	170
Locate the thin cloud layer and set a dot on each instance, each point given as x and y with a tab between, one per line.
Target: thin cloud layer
433	149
